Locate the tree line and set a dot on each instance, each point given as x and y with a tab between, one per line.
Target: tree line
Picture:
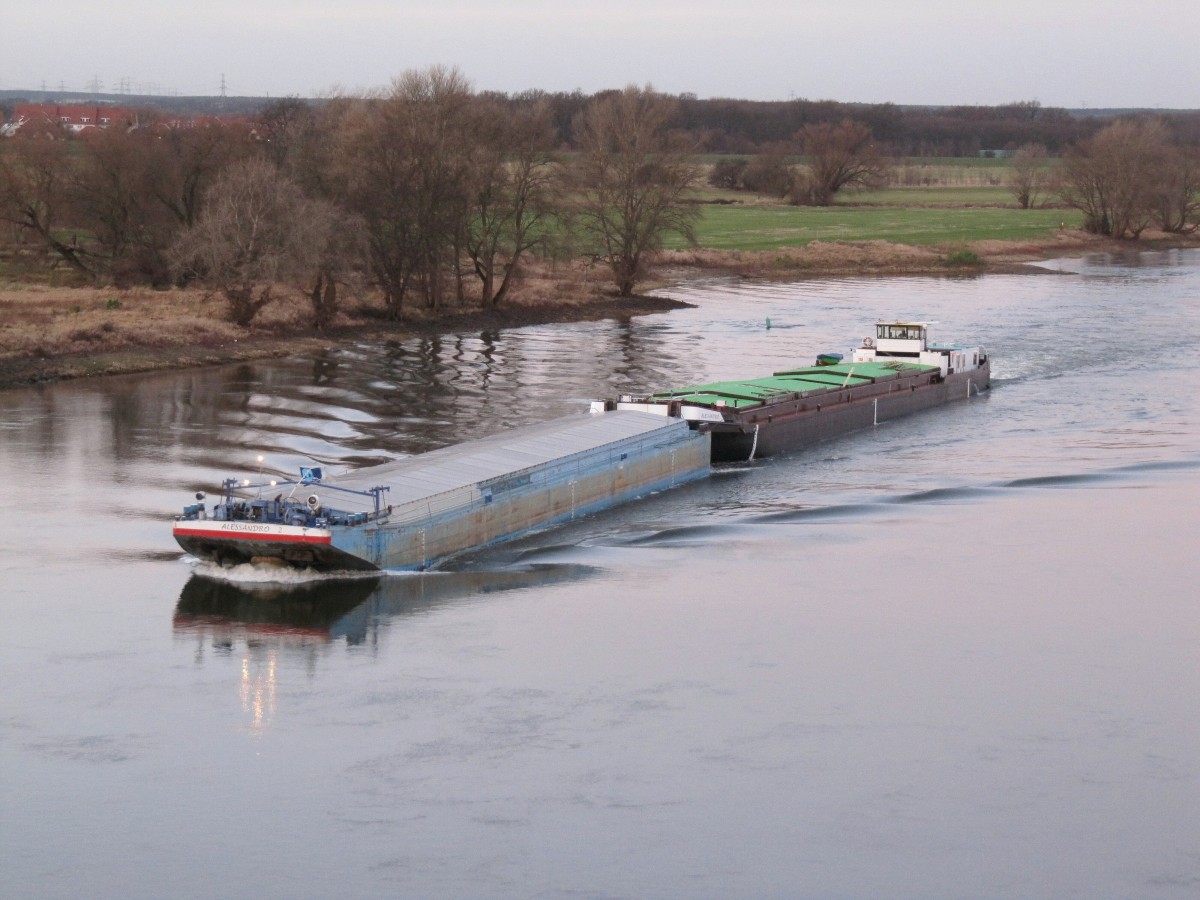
427	191
432	193
1132	174
727	125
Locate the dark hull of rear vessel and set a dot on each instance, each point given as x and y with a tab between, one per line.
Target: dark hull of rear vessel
799	423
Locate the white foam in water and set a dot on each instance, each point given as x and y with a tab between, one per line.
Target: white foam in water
251	573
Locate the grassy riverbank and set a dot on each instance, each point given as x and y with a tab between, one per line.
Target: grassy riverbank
50	332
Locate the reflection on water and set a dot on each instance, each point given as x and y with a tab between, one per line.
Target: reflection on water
222	613
371	403
264	623
949	656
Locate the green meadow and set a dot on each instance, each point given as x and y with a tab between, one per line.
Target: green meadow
962	201
753	227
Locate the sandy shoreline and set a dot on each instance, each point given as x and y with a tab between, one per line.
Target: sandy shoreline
51	334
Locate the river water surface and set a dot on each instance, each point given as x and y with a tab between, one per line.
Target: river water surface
957	655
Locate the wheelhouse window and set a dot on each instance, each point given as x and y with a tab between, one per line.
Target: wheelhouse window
899	332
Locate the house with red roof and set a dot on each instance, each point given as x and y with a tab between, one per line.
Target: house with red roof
74	118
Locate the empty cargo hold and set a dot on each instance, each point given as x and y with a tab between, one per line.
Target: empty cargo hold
411	513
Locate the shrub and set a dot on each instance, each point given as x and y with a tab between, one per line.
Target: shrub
963	258
768	173
727	173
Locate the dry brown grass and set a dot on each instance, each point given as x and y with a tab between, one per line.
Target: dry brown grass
50	321
47	321
64	332
841	258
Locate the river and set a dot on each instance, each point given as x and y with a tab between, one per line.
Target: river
952	656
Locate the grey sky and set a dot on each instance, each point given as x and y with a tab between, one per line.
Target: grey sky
1071	53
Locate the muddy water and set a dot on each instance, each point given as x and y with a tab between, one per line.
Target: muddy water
951	656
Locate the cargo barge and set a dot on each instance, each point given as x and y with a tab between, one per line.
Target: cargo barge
415	512
892	374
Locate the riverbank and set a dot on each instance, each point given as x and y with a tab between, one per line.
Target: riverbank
51	333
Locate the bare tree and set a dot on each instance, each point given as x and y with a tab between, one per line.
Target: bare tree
438	102
371	172
1113	178
632	174
35	171
512	196
337	247
112	191
1031	175
185	160
839	157
1177	201
284	123
403	168
317	146
257	231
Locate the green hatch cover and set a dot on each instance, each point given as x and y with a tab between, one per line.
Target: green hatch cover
806	381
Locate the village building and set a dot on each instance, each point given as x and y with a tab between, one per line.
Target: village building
74	118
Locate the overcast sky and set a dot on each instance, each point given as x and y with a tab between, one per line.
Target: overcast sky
1073	53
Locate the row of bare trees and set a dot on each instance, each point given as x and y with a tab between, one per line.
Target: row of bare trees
427	191
111	205
432	193
1132	174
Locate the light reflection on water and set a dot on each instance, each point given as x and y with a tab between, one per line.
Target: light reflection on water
950	656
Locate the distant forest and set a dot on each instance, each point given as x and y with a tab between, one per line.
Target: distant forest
750	126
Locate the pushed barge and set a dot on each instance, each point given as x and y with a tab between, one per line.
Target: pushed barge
894	373
416	511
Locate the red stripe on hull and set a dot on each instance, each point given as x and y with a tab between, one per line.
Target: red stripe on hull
265	537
